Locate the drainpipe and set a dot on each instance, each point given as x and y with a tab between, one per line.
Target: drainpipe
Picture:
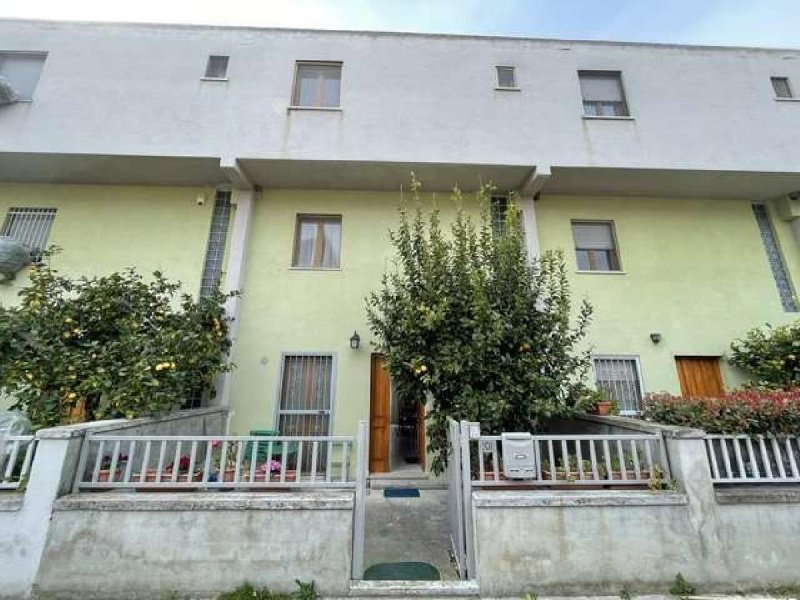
528	192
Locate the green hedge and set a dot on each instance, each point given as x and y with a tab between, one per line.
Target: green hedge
749	412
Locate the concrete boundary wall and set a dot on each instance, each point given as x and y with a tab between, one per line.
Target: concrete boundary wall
594	542
139	545
25	516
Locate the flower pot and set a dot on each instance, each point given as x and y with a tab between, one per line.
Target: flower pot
604	408
105	475
574	476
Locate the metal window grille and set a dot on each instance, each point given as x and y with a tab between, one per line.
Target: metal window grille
620	379
775	258
306	397
506	77
215	250
498	212
30	226
603	94
781	87
217	67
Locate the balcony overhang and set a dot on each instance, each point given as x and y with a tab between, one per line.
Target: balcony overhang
671	183
34	167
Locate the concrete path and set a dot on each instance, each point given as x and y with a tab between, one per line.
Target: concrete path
409	529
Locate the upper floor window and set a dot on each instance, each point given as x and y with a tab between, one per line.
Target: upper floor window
506	78
781	87
317	242
317	85
602	94
595	245
217	67
31	226
21	71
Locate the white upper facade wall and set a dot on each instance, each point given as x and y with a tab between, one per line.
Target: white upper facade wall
138	90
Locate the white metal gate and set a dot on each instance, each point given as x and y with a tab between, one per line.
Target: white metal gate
459	487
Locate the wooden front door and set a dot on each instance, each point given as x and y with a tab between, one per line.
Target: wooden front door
380	416
699	375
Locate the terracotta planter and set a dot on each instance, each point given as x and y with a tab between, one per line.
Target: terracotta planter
491	476
604	408
561	475
105	475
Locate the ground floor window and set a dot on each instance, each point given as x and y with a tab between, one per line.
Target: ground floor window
306	395
620	378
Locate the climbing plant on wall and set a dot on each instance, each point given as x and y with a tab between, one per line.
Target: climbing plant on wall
467	320
113	346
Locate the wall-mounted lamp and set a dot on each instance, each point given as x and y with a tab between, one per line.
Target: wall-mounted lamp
355	341
655	337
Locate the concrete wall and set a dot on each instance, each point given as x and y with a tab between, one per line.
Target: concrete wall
601	541
137	89
25	517
198	545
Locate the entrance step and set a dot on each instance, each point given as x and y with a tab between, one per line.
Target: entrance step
383	481
431	590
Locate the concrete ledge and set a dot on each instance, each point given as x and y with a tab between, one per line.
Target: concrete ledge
413	589
514	499
205	501
758	495
11	501
671	431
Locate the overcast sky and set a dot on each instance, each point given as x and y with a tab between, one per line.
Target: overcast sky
727	22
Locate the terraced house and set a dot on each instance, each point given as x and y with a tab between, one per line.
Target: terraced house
273	160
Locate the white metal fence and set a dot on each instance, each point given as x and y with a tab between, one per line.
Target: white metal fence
156	463
596	460
16	456
753	459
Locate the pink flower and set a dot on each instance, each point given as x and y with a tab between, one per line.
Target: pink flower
272	466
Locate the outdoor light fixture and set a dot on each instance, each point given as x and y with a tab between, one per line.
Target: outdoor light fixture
655	337
355	341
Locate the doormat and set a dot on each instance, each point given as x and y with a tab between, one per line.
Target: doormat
402	571
401	493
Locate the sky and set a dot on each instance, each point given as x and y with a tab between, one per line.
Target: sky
718	22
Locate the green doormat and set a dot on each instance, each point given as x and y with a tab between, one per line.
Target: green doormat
402	571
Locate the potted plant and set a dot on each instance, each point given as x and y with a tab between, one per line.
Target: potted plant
104	474
600	403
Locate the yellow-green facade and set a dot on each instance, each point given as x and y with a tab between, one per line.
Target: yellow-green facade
693	270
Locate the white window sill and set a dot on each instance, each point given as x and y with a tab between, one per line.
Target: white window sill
507	89
315	268
213	79
607	118
787	99
581	272
319	108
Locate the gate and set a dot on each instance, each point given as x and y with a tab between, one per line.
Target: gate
459	496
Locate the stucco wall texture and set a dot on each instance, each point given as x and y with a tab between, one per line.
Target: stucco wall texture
694	270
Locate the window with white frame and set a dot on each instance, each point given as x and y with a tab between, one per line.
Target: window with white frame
317	85
498	208
317	242
595	245
30	226
620	379
780	85
506	78
21	71
603	95
217	67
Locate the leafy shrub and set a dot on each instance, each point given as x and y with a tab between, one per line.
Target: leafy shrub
469	322
113	346
748	411
681	587
305	591
771	355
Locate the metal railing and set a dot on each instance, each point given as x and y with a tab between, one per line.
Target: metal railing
16	456
596	460
163	463
753	459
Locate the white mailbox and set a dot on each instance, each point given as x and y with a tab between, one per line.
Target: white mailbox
519	456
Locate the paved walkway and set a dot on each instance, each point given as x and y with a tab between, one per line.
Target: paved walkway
409	529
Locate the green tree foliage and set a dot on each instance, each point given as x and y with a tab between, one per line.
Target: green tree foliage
118	346
469	322
771	355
